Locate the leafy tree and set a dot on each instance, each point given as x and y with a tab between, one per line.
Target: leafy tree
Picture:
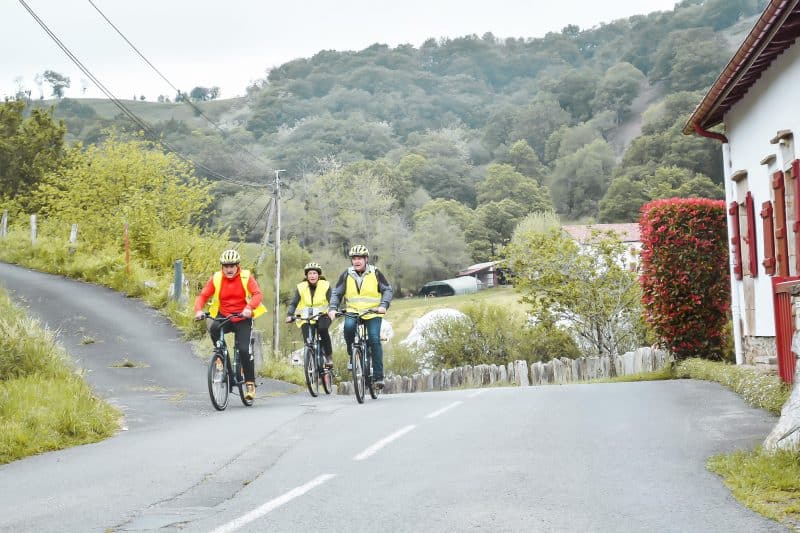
503	182
29	148
585	288
525	161
580	179
537	121
619	86
58	82
119	182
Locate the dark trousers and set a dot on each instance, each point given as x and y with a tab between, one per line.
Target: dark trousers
323	323
242	332
374	334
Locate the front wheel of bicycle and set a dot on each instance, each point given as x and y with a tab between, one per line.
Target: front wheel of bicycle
218	385
310	366
358	374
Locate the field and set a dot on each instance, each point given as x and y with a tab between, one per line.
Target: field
404	311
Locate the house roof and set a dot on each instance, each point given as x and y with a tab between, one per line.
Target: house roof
477	268
774	32
628	232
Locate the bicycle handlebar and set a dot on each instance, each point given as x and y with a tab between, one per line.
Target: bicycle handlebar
220	319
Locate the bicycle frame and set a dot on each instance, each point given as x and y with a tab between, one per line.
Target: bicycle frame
362	367
233	378
314	369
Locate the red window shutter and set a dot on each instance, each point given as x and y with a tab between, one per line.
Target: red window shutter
750	209
781	242
796	225
769	239
736	244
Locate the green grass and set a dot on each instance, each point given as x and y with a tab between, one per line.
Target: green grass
404	311
768	483
44	405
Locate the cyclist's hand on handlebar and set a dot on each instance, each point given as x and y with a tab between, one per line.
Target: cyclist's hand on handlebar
247	312
381	310
332	314
289	319
200	315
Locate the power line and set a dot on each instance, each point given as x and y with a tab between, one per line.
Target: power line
185	100
122	107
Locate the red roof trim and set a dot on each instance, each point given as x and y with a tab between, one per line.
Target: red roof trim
774	32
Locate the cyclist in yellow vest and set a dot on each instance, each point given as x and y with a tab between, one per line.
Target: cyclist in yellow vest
362	287
312	295
234	291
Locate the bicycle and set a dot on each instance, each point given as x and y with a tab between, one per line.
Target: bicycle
225	373
313	358
361	359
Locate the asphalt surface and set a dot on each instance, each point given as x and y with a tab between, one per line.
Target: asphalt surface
624	457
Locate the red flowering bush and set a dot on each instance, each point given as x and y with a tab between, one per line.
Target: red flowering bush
685	278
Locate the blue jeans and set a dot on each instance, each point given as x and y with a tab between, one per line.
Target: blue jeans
374	334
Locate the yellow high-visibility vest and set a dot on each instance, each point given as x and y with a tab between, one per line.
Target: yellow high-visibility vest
245	277
319	302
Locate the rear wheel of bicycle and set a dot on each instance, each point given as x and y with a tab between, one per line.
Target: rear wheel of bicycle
370	376
327	380
312	375
358	374
218	385
240	383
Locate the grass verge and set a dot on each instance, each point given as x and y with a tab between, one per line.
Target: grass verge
768	483
44	405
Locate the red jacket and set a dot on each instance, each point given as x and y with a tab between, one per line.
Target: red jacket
231	295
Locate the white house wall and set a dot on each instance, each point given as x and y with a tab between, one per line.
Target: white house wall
769	106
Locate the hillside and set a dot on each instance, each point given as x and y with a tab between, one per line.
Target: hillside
436	152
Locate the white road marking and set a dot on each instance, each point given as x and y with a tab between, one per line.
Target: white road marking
444	409
477	393
271	505
383	442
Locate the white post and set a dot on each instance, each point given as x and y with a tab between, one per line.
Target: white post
33	230
736	305
73	234
4	224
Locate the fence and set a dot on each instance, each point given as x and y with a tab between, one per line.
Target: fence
556	371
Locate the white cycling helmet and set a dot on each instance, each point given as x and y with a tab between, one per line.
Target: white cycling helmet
359	250
230	257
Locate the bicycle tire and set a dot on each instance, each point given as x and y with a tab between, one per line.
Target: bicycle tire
240	383
218	383
311	372
368	375
358	374
327	380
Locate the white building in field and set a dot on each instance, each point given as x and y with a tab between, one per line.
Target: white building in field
755	100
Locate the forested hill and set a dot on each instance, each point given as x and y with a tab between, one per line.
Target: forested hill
503	126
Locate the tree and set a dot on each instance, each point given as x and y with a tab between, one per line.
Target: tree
29	148
503	182
200	94
525	161
619	86
587	289
119	182
58	82
579	180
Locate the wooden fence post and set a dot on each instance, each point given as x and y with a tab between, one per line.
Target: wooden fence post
33	230
4	224
127	253
73	234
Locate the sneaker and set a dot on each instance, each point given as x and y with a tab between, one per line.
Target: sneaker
250	390
218	364
379	384
328	360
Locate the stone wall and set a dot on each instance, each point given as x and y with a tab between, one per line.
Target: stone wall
556	371
757	349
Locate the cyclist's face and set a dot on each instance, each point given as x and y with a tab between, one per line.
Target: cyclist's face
359	262
230	270
312	276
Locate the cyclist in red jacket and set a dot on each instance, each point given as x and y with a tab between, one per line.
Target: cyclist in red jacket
234	291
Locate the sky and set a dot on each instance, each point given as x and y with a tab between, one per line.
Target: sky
233	43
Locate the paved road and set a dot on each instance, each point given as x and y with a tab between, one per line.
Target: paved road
610	457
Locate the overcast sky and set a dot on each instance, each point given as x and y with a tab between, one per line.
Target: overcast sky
232	43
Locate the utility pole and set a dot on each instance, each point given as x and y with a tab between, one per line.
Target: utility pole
276	313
